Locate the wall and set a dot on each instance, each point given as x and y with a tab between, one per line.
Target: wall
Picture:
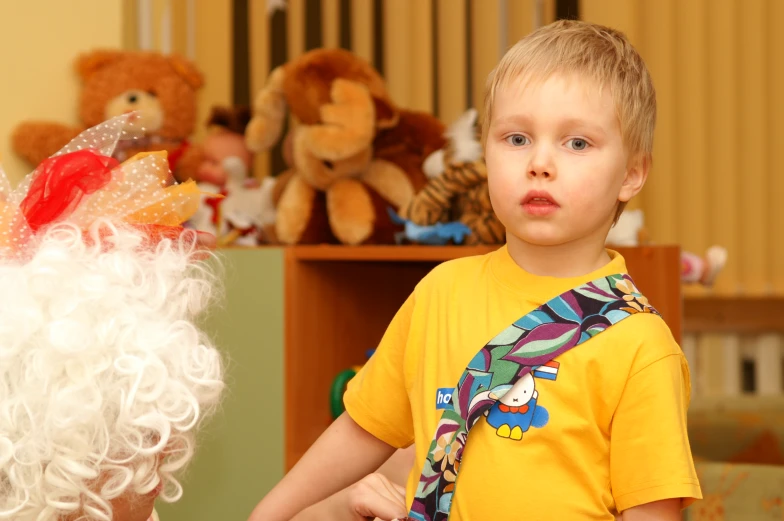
240	454
39	41
717	177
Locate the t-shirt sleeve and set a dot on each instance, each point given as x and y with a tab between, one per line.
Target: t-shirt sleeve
377	397
650	455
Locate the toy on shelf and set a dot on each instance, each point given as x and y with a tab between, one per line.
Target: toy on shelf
630	231
160	90
338	388
351	152
454	206
241	211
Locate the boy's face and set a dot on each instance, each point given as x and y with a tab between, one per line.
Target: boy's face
556	162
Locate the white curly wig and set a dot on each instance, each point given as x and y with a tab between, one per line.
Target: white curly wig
104	374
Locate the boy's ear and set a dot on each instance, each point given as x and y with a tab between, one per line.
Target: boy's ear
636	175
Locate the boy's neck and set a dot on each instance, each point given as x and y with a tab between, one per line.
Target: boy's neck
568	260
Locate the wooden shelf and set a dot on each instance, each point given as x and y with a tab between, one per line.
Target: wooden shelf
385	253
340	299
714	314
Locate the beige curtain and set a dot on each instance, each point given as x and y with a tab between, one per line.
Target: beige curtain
718	67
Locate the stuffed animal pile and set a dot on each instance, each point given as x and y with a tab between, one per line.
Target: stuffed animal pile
352	152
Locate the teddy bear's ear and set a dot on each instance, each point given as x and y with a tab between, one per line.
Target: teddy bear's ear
187	70
89	63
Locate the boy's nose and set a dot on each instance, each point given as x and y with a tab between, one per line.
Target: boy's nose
544	173
541	164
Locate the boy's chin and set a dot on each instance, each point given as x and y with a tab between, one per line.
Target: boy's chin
541	237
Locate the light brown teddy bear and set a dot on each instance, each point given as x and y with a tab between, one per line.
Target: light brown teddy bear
162	88
352	153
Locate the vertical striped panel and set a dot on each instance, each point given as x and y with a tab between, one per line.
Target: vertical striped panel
295	35
548	11
161	25
421	56
775	134
398	47
259	55
689	348
330	23
691	117
295	28
452	66
485	50
732	364
144	14
710	379
179	27
723	180
520	20
618	14
657	46
751	139
130	24
769	374
213	57
362	28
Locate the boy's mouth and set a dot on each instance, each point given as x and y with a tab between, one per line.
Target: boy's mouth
537	202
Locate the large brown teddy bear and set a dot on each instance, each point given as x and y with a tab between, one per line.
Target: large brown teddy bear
352	152
162	88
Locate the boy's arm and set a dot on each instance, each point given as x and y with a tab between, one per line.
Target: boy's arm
375	496
650	456
664	510
380	495
341	456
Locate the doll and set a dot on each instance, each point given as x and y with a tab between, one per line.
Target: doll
241	210
106	375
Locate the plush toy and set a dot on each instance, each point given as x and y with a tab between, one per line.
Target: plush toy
352	153
630	231
457	192
161	89
241	210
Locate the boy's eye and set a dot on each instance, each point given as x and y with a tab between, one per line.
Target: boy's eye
517	140
578	144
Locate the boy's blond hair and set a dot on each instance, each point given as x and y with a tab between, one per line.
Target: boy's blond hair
600	53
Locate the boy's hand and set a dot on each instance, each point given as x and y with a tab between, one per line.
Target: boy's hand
377	497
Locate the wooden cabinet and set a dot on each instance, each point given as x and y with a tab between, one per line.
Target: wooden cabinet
340	299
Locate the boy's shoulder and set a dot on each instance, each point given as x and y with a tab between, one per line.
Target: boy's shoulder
650	337
454	271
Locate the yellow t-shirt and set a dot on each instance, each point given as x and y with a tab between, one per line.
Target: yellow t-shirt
610	429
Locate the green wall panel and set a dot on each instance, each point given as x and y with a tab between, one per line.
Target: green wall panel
240	455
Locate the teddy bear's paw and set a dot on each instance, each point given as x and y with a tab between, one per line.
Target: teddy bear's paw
351	211
269	113
35	141
348	123
390	181
294	210
265	128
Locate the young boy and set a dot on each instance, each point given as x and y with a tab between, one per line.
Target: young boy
598	431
